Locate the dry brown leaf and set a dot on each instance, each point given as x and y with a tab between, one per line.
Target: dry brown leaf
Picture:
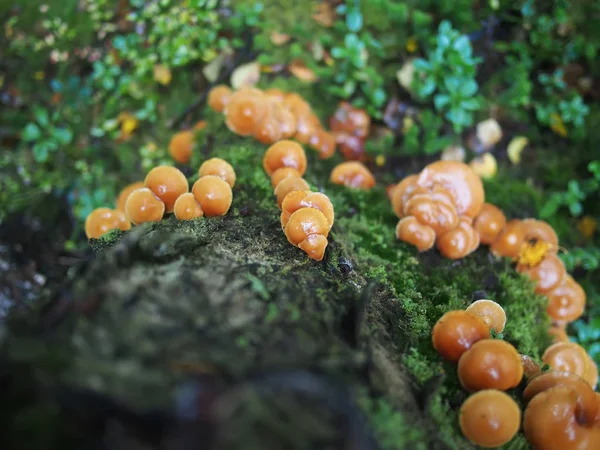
324	14
278	38
162	74
245	75
300	71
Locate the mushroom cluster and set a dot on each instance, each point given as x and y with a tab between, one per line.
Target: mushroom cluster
182	143
306	216
270	116
166	190
351	126
437	206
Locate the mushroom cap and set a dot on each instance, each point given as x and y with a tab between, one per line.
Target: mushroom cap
167	183
566	301
213	194
530	367
547	275
187	207
353	174
284	172
490	364
218	97
287	185
284	154
125	193
538	230
350	120
275	94
567	357
402	193
296	104
455	332
323	142
314	246
489	223
304	223
245	110
351	147
102	220
509	241
489	418
435	210
591	376
220	168
287	121
558	334
268	130
181	146
410	230
457	178
296	200
306	126
459	242
491	312
143	206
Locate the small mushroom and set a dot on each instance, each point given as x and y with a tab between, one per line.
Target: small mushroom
489	223
306	126
402	193
307	229
288	185
213	194
167	183
218	97
567	357
102	220
283	173
350	120
566	301
509	241
220	168
558	334
353	174
459	242
143	206
268	130
284	154
181	146
434	209
245	109
187	207
410	230
490	364
296	200
324	143
125	193
491	312
455	332
547	275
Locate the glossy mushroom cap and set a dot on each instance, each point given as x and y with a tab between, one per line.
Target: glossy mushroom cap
434	209
558	334
102	220
296	200
281	174
282	154
491	312
490	364
402	193
245	110
181	146
591	376
143	206
167	183
308	228
455	332
489	418
351	147
218	98
459	242
125	193
489	223
567	357
213	194
314	246
220	168
353	174
530	367
323	142
288	185
287	122
459	180
547	275
187	208
538	230
306	126
410	230
350	120
268	130
509	242
566	301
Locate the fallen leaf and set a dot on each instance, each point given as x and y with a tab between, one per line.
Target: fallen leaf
212	69
515	148
380	160
411	45
162	74
489	133
300	71
485	165
587	226
278	38
557	125
406	74
324	14
128	123
318	51
454	153
245	75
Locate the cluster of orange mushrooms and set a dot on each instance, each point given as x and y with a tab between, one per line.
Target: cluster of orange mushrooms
306	216
166	190
563	408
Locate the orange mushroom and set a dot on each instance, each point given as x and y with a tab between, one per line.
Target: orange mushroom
350	120
455	332
268	130
187	208
353	174
143	206
402	193
567	357
245	109
530	367
434	209
220	168
410	230
566	301
307	229
296	200
284	154
460	241
287	122
558	334
323	142
288	185
491	312
547	275
489	223
489	418
125	193
213	194
284	172
181	146
167	183
218	97
538	230
306	126
591	376
351	147
102	220
509	241
490	364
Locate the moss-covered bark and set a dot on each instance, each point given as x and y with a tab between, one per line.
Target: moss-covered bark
218	331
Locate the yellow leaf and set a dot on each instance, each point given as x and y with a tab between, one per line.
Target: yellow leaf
380	160
300	71
485	166
489	133
278	38
162	74
557	125
411	45
515	148
532	253
587	226
324	14
128	124
405	75
407	124
454	153
39	75
245	75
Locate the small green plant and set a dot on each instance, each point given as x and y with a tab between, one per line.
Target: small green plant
424	136
45	135
447	77
577	192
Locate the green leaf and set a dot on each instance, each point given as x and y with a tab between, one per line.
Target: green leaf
351	41
41	116
468	88
471	104
63	135
31	132
338	52
40	152
440	101
354	20
463	46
